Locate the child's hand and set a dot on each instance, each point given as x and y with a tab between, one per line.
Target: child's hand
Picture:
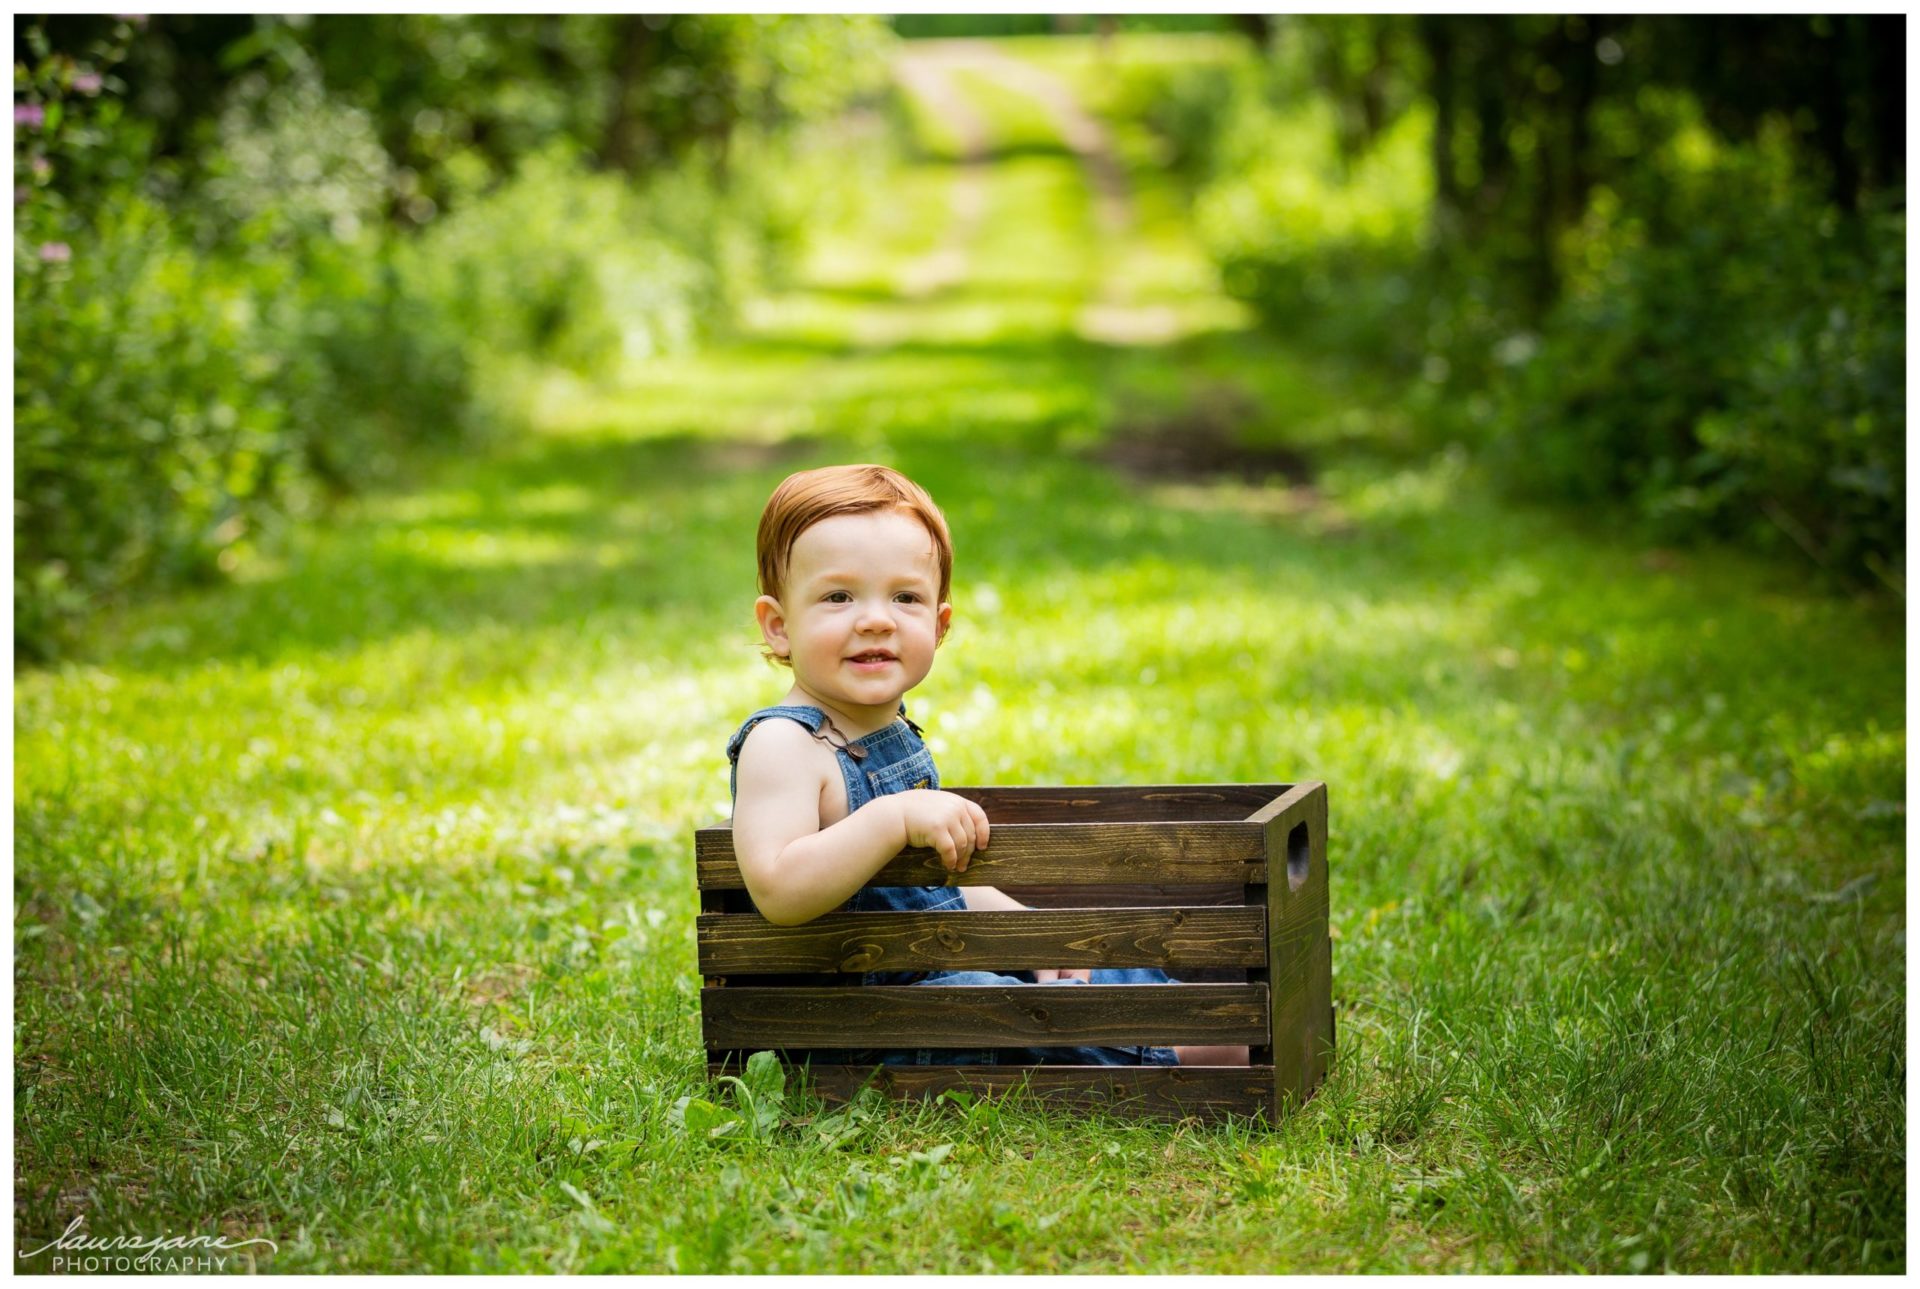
1047	975
944	822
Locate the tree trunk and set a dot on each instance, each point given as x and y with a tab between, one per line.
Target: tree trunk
1373	85
1886	95
1543	276
1437	34
1493	77
624	140
1582	75
1257	27
1832	115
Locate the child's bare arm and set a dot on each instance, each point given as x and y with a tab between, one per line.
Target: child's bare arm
795	869
989	897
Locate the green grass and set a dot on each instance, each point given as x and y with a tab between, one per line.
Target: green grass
354	902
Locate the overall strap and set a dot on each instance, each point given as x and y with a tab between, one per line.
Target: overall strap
815	721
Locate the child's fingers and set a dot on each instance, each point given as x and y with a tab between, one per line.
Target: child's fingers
981	828
963	847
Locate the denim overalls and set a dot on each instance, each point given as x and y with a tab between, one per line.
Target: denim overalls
897	760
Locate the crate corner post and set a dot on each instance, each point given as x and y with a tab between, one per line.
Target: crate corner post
1299	947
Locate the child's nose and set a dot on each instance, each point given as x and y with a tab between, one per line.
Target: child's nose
876	615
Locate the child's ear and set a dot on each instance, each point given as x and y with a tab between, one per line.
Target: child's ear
773	625
943	621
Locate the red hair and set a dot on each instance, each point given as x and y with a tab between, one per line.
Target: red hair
804	499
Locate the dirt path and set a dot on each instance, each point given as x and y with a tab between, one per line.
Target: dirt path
1111	316
928	77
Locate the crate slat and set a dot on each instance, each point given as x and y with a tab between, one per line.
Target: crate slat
1165	1092
1085	854
1156	803
989	1016
1001	940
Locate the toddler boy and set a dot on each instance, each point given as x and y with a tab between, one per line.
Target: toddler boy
856	569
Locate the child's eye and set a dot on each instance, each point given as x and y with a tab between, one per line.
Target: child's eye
838	597
910	597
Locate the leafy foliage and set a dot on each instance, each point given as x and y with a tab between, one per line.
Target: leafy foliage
243	293
760	1101
186	372
1744	377
1640	281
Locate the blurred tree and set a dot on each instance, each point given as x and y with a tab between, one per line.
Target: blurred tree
226	308
1656	260
1516	100
1257	27
458	100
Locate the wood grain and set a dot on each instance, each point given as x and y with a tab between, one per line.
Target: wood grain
1164	1092
960	1016
998	940
1082	854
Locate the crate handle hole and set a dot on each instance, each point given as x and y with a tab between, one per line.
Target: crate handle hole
1299	857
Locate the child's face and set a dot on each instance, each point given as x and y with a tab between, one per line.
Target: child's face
858	616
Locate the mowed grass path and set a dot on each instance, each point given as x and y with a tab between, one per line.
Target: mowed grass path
354	907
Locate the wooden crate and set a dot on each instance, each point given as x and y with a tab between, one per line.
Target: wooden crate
1222	886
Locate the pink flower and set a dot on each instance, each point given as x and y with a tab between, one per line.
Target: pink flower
87	82
21	193
29	114
55	252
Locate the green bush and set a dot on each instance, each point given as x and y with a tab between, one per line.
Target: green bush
1187	96
144	429
203	349
185	373
1316	241
562	265
1731	362
167	402
366	362
1725	356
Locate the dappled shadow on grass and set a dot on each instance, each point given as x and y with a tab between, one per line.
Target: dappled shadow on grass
570	529
1432	623
557	531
